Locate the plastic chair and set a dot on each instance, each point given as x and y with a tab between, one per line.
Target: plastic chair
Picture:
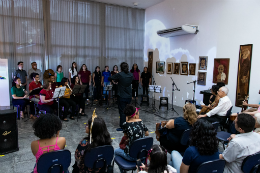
216	125
222	136
185	137
226	124
214	166
54	162
99	157
251	164
138	150
17	111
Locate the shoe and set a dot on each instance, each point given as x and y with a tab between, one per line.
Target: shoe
119	129
66	120
72	118
83	114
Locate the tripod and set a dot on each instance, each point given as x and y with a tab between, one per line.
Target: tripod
194	83
173	84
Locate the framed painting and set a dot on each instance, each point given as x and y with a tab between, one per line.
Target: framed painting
221	70
202	78
150	62
184	68
203	62
176	68
243	73
169	67
192	68
160	67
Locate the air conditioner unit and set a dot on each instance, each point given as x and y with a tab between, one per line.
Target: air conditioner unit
183	30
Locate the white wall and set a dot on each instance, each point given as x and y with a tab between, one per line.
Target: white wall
224	25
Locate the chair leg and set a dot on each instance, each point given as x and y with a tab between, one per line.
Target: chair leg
223	145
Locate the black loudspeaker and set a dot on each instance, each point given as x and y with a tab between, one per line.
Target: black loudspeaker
8	132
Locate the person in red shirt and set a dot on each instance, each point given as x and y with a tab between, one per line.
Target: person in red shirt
85	78
33	85
78	98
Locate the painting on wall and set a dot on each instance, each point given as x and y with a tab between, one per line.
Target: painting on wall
176	68
150	62
184	68
221	70
203	62
160	66
169	67
192	68
202	78
243	73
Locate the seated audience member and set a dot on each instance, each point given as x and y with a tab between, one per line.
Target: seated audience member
257	123
176	127
218	114
99	137
20	97
242	145
252	111
47	128
66	101
34	85
46	102
203	147
78	98
157	157
133	129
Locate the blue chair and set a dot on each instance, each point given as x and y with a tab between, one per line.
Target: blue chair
99	157
226	123
54	162
251	164
17	111
216	125
214	166
185	139
222	136
139	150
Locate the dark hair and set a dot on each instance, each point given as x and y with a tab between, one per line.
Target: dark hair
105	68
81	68
46	84
58	67
16	78
132	70
203	137
19	62
72	68
50	75
33	62
146	68
96	68
46	126
74	80
63	80
220	84
158	162
114	67
129	110
33	75
215	88
124	67
246	122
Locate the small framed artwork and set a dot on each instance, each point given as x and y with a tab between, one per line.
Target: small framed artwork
202	78
176	68
184	68
221	70
192	68
160	66
169	67
203	62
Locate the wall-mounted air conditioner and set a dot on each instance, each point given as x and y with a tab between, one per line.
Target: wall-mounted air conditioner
183	30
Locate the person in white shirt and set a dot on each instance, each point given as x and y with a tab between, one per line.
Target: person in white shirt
34	70
218	114
73	72
241	145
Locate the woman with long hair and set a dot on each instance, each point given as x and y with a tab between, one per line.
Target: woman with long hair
136	81
85	78
175	128
73	71
78	98
203	147
115	83
157	157
100	137
97	83
146	80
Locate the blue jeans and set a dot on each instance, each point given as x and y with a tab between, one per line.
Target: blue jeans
176	160
105	92
120	152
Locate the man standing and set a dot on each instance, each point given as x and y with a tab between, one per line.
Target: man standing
21	74
124	79
241	145
34	70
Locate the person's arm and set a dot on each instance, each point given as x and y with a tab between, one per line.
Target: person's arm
69	76
55	77
146	133
139	76
252	113
184	168
42	98
80	79
221	156
170	124
141	81
102	81
251	105
61	142
89	79
14	97
34	147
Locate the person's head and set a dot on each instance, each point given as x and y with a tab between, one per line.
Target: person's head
75	80
145	69
97	69
245	53
83	67
221	68
47	85
220	84
74	65
157	156
201	77
222	92
47	126
59	68
115	68
17	80
184	67
257	120
244	123
214	89
106	68
51	78
203	137
189	113
131	111
20	65
203	62
124	67
134	67
35	77
64	81
34	65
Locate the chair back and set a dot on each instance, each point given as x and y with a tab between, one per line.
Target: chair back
214	166
251	163
54	162
216	125
185	137
99	157
229	112
139	148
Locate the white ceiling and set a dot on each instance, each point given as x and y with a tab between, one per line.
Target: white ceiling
130	3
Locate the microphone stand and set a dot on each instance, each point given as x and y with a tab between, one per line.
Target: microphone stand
194	83
173	84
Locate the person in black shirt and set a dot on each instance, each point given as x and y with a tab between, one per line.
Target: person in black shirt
97	83
145	80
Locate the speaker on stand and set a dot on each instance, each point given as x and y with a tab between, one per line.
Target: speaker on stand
8	132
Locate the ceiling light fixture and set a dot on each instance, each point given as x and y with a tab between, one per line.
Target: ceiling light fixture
135	3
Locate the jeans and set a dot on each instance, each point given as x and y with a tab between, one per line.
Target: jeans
176	160
86	90
122	102
105	84
120	152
